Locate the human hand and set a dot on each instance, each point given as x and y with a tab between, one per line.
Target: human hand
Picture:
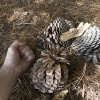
18	58
17	61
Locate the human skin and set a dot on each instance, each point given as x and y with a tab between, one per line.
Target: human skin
17	61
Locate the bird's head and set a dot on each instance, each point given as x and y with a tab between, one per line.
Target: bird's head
75	32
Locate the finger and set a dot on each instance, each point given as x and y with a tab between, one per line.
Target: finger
24	50
17	44
28	53
30	58
21	48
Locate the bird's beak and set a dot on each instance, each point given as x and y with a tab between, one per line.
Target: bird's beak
68	35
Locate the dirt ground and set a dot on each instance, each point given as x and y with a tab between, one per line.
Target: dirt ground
25	19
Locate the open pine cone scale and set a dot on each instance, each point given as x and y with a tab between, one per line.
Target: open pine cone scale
50	72
52	34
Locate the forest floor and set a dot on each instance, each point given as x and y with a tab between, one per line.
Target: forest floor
25	19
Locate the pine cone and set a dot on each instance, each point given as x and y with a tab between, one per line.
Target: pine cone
50	72
52	34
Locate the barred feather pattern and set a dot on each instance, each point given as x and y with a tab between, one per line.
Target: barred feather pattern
52	34
88	44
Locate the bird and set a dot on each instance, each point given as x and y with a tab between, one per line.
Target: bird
86	42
